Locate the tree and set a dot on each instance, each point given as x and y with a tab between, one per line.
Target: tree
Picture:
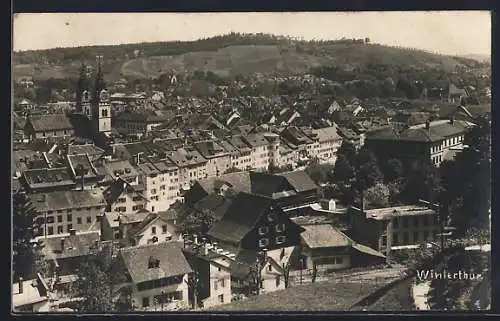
25	227
377	196
193	283
348	150
343	170
94	288
314	272
393	170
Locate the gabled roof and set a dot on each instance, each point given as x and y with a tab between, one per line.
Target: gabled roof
116	189
239	181
299	180
324	235
327	134
76	245
240	218
60	200
172	261
51	122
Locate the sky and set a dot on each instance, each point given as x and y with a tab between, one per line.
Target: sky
450	32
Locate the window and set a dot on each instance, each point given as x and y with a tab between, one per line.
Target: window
426	220
50	219
415	237
164	229
59	218
78	220
50	230
122	200
89	219
280	239
219	268
405	222
69	227
263	230
395	239
416	221
271	217
280	227
339	260
221	298
216	285
69	217
145	302
153	230
222	283
60	229
406	241
263	242
395	222
278	281
270	268
384	240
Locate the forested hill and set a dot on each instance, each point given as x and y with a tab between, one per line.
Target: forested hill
232	54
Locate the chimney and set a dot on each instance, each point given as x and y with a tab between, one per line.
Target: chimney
21	285
195	239
205	249
72	232
62	244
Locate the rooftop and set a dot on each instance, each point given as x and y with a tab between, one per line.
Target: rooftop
324	235
80	244
60	200
406	210
51	122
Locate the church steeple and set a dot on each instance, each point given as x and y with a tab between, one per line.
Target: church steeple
82	85
99	85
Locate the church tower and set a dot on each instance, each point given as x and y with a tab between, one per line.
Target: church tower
101	108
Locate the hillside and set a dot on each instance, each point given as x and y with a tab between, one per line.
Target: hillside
228	55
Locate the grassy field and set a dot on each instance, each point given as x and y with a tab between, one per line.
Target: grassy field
323	296
396	299
245	59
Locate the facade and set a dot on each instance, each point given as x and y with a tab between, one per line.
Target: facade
137	123
432	142
155	275
213	272
386	228
45	126
329	142
218	159
63	211
123	197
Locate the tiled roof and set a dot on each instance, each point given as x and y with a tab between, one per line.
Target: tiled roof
210	148
299	180
52	122
239	181
438	130
405	210
240	218
327	134
184	158
48	177
74	245
172	261
90	149
256	140
60	200
324	235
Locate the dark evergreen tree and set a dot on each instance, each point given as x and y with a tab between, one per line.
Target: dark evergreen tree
94	288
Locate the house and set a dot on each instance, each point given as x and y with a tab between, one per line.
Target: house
455	94
191	165
329	142
66	252
334	107
254	222
420	144
155	276
218	159
301	142
118	169
60	212
260	147
288	189
384	229
155	228
29	295
43	180
115	225
329	249
52	125
138	123
94	152
123	197
83	170
242	156
213	272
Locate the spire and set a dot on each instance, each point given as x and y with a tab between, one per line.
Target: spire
98	86
81	86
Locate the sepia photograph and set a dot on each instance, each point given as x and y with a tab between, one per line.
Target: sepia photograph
251	162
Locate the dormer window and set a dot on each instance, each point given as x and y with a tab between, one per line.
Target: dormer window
153	263
153	230
263	230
